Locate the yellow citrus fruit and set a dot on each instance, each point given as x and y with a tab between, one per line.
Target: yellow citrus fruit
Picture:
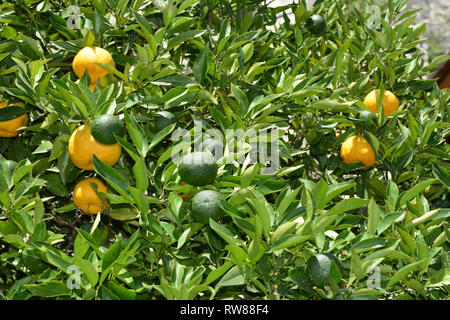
8	129
86	60
356	148
85	198
390	101
83	146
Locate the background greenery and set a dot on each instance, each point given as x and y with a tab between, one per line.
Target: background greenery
215	63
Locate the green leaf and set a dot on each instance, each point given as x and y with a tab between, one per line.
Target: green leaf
92	242
248	175
240	96
48	289
369	244
403	272
414	191
57	258
318	193
436	62
201	65
123	213
431	215
336	189
121	292
373	217
442	175
216	273
287	200
347	205
184	37
34	45
139	199
187	4
146	28
40	232
238	254
111	255
332	105
89	39
223	232
392	193
11	112
390	219
174	80
287	241
183	238
21	170
137	134
255	251
5	175
232	278
112	177
141	175
15	240
422	253
356	266
161	135
87	270
263	214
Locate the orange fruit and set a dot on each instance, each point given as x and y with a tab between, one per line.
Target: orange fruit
86	60
9	128
356	148
85	198
390	101
83	146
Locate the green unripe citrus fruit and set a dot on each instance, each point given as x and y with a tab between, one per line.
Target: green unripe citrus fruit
318	149
316	24
318	268
313	137
205	205
105	127
369	119
198	168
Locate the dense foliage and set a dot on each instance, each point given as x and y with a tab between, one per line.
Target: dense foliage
224	65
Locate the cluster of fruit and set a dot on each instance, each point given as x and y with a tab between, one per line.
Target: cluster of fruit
87	140
356	148
196	169
98	138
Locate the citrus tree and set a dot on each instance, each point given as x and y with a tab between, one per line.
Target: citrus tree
130	130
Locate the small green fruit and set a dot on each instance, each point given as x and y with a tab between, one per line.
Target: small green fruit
105	127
